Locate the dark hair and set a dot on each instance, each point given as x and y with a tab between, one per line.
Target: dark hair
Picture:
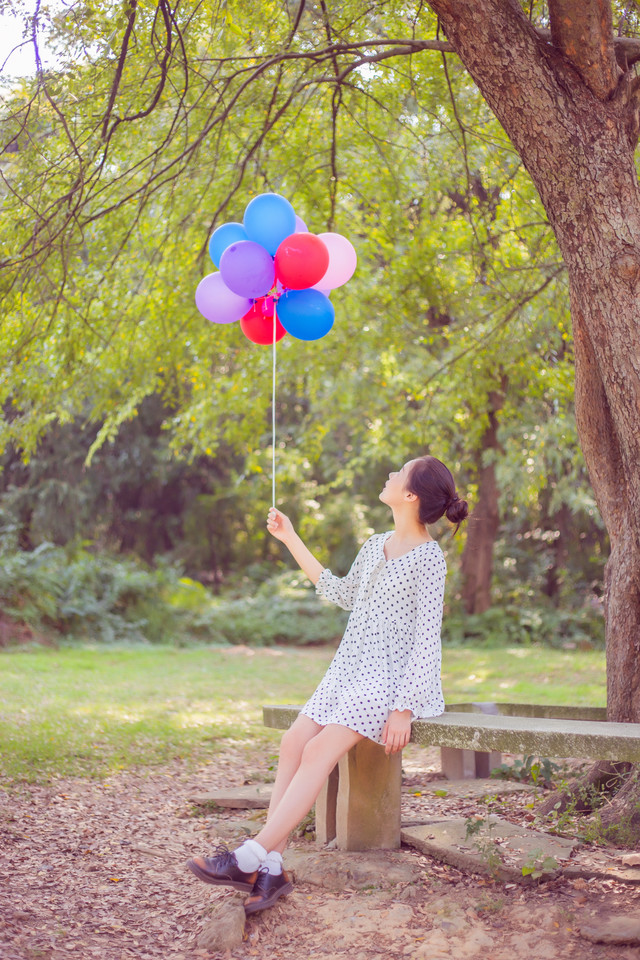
435	488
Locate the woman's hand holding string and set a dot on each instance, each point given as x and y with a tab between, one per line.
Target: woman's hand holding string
279	526
396	731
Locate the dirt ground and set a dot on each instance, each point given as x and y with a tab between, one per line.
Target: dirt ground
96	870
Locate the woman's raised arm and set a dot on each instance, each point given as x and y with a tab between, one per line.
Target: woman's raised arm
279	526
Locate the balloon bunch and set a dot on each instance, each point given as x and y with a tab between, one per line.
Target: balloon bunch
274	276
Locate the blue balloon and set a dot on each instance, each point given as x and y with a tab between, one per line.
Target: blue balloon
268	219
305	314
222	237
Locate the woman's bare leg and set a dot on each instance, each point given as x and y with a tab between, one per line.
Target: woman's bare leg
293	742
319	755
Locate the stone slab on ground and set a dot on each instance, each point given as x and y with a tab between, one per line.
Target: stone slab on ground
470	789
335	872
235	829
499	847
630	859
624	931
588	864
252	797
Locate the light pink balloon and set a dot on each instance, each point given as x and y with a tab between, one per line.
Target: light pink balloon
342	261
217	303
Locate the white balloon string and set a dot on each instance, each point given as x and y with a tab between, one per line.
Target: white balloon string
273	414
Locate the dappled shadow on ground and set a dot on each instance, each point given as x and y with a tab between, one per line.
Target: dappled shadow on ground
96	869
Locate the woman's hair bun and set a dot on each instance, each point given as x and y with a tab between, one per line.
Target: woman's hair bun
457	510
433	484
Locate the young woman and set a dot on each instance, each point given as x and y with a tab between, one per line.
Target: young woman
386	671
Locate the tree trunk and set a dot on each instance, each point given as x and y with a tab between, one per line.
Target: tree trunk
579	151
477	557
586	793
559	553
576	129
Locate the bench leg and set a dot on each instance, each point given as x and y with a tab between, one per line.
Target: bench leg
459	764
368	801
326	809
485	763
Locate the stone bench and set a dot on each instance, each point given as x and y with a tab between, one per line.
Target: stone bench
359	805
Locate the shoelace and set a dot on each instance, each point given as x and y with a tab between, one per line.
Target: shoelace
221	852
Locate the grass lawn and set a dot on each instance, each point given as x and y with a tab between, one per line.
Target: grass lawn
89	711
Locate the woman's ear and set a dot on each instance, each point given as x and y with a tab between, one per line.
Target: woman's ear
410	497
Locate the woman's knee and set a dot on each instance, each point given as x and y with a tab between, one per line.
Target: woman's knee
326	749
294	740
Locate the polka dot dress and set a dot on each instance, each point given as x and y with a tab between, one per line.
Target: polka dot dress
389	658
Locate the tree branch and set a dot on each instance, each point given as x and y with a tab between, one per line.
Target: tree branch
582	30
120	68
626	49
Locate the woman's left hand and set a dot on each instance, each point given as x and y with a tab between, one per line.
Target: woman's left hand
396	731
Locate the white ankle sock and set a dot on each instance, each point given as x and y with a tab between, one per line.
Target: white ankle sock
273	863
250	855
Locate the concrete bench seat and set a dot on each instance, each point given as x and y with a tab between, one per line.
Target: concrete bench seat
360	803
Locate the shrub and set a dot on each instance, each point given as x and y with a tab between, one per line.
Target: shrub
509	623
58	592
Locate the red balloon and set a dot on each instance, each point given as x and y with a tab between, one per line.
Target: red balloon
301	260
257	323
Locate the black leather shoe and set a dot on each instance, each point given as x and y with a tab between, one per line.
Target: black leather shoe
223	870
268	887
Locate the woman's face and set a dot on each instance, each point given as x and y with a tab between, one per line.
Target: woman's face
395	489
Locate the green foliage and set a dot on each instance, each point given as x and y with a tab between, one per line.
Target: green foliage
538	621
625	833
480	831
539	863
536	770
30	587
146	428
78	595
568	817
282	611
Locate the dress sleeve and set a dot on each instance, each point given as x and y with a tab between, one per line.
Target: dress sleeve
420	689
343	590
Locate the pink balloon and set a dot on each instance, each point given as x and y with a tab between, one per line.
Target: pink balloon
342	261
301	226
217	303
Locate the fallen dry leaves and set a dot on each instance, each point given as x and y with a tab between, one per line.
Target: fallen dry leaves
94	869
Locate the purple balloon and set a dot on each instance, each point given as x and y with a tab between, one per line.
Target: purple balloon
217	303
301	226
247	269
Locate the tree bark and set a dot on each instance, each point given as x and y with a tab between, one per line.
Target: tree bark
579	151
585	793
583	31
477	557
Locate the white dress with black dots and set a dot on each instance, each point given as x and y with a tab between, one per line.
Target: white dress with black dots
389	658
